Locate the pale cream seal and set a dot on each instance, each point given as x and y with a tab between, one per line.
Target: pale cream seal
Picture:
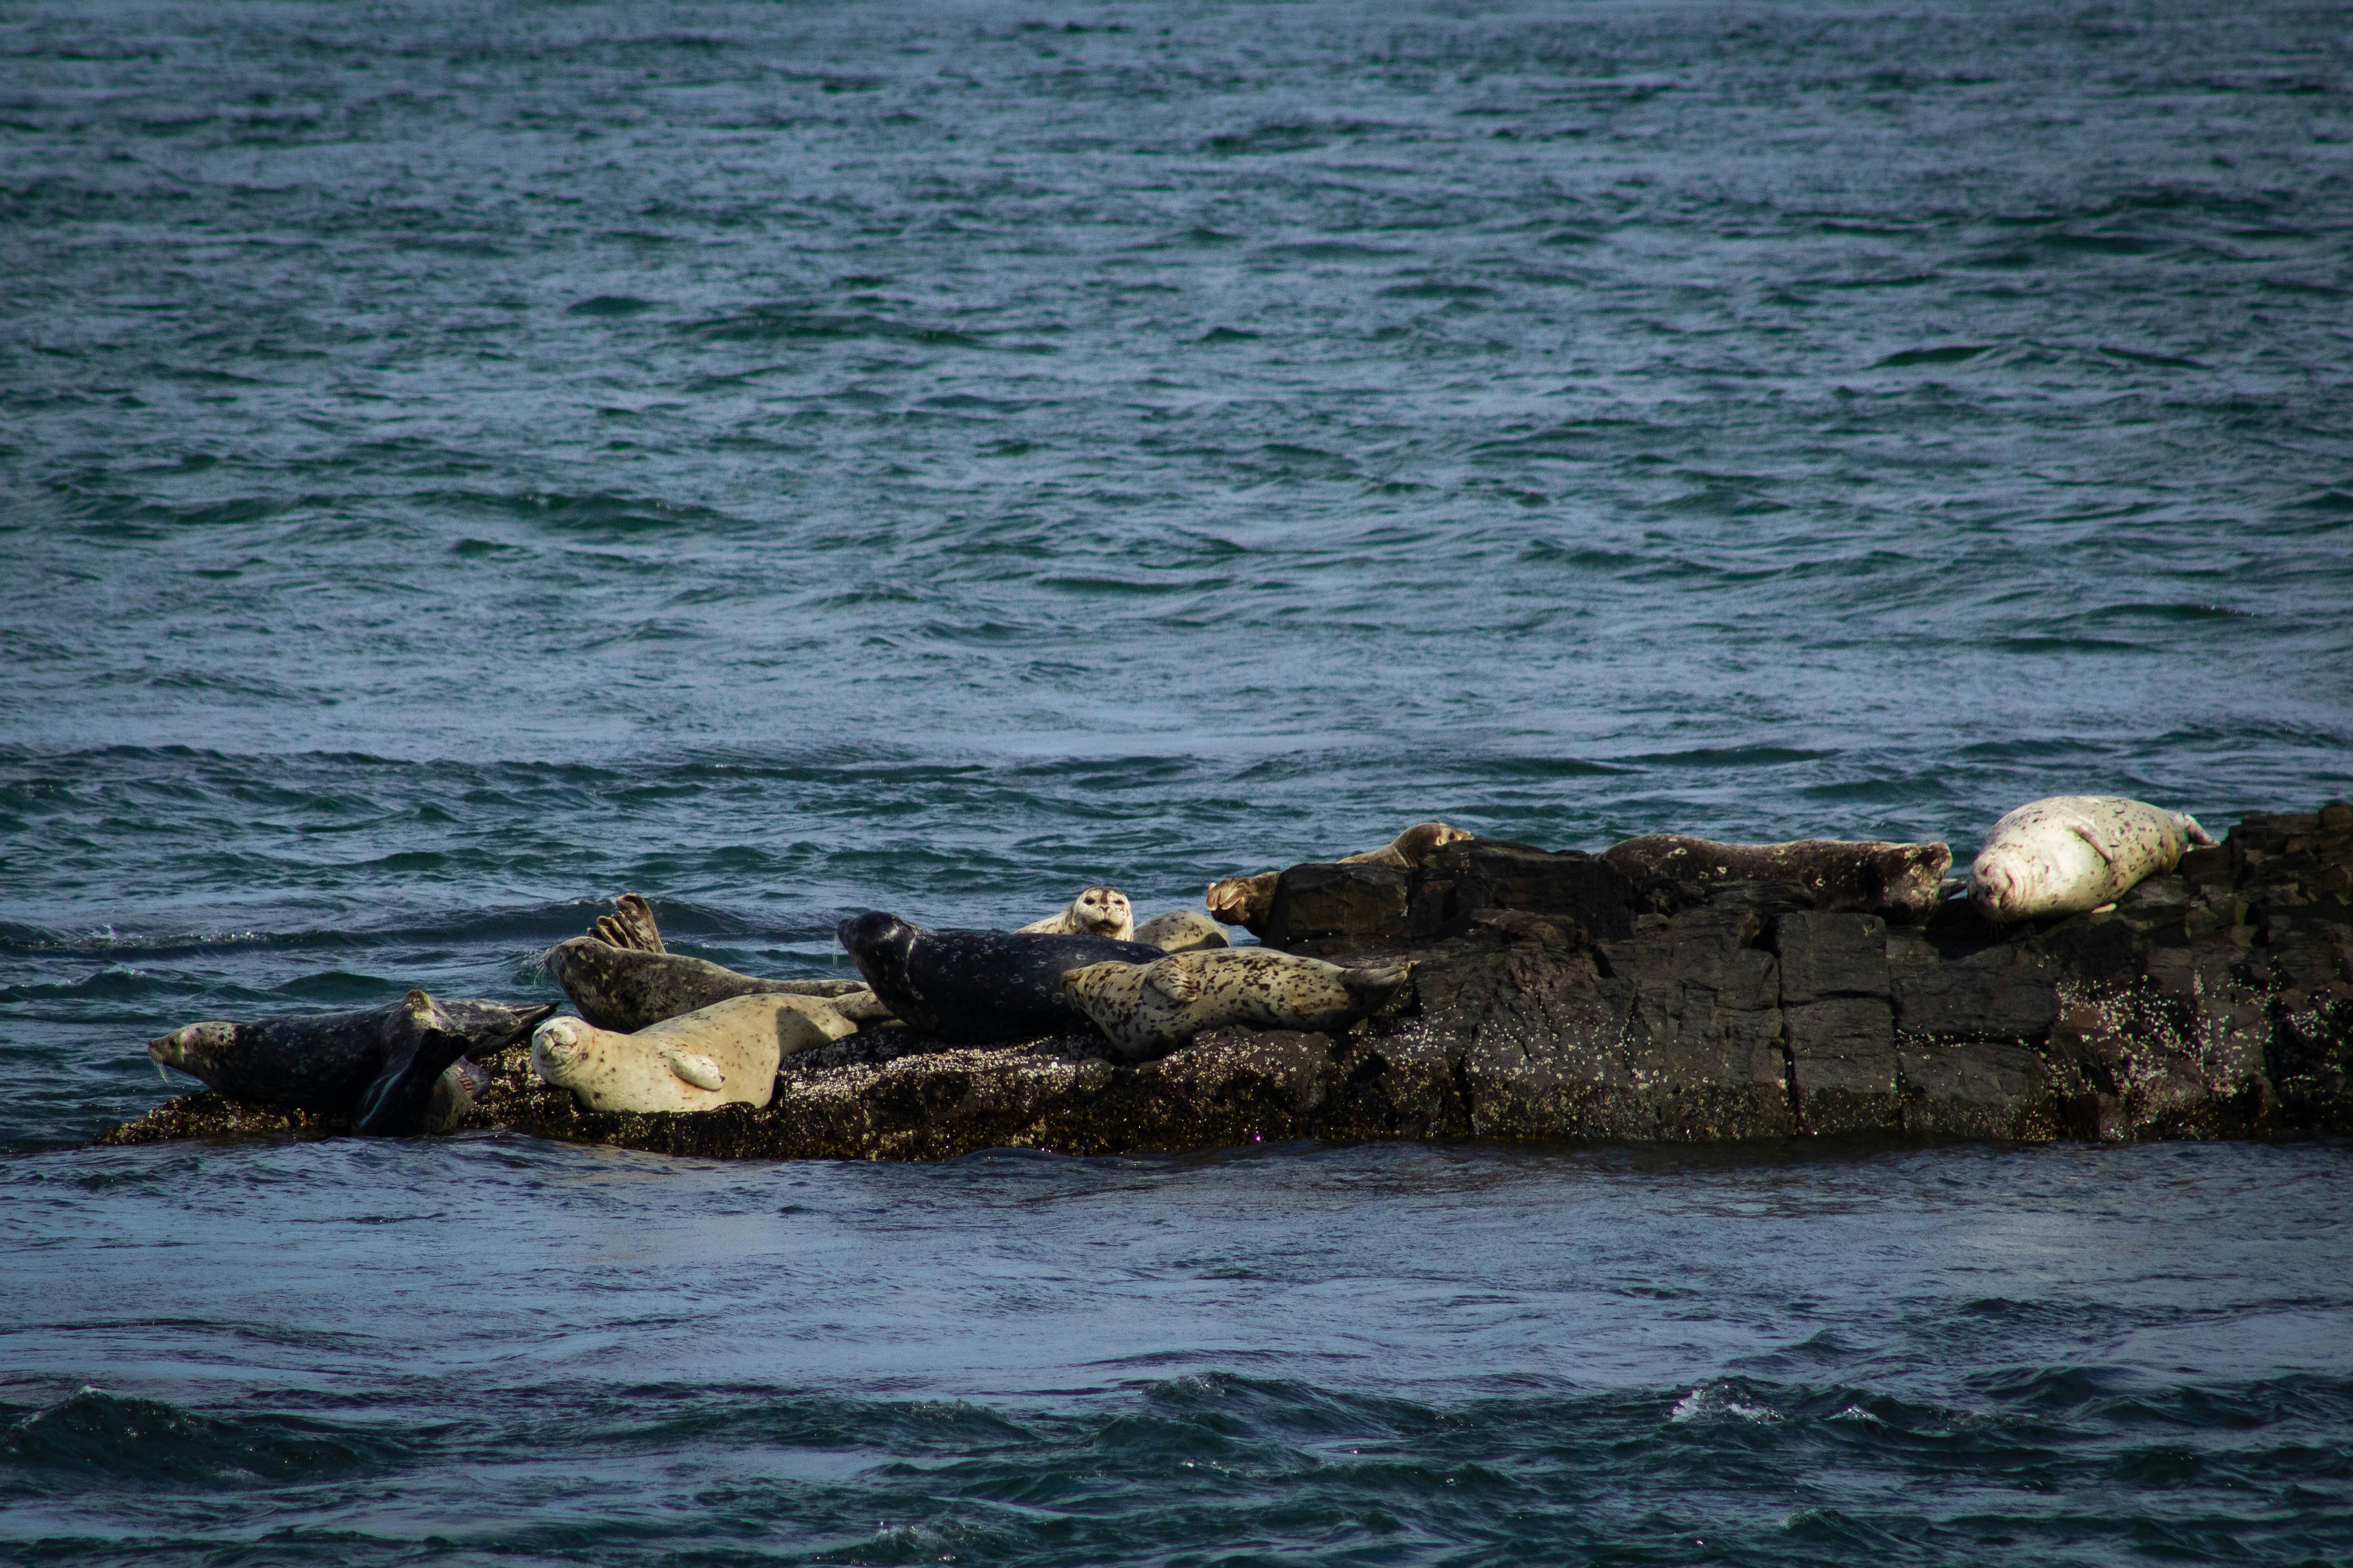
725	1054
2075	852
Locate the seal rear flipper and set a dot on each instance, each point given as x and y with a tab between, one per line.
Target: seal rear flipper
420	1044
1376	984
631	925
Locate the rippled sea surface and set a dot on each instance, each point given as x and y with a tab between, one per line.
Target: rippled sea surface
460	462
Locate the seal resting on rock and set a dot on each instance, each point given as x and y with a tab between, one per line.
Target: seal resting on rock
725	1054
1149	1009
1903	880
621	977
2075	852
977	984
1246	901
379	1066
1097	911
1180	930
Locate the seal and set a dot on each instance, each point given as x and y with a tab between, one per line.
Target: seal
977	984
1247	901
1180	930
725	1054
1150	1009
622	977
379	1066
1097	911
2069	853
1903	881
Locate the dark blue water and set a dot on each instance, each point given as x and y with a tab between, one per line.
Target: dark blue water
458	463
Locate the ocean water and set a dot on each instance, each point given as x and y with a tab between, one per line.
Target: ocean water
458	463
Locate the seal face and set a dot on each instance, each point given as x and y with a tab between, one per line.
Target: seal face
1181	931
1898	880
378	1067
1150	1009
2069	853
725	1054
1096	911
977	984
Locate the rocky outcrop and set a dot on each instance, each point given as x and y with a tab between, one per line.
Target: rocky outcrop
1555	997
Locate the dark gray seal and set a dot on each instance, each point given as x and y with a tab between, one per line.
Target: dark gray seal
378	1067
1901	881
979	985
629	988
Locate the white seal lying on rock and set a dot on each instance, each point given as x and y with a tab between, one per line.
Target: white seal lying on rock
725	1054
1097	911
1181	931
2075	852
1150	1009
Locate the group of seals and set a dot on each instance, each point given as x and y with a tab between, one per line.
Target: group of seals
664	1031
384	1067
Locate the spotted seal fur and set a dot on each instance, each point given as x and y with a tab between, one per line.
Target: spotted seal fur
1096	911
379	1066
1150	1009
2069	853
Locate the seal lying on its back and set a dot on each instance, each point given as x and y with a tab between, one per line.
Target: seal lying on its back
977	984
1246	901
1150	1009
1097	911
378	1067
1902	880
1181	931
2075	852
725	1054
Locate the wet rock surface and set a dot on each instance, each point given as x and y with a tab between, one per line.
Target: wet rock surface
1559	998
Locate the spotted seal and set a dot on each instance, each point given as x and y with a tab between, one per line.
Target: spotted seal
1097	911
379	1066
725	1054
1180	930
1246	901
2075	852
622	977
1899	880
977	984
1150	1009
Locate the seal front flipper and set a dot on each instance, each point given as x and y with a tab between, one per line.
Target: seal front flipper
2090	834
420	1044
1179	986
696	1069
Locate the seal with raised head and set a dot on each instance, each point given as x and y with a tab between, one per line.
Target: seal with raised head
725	1054
1096	911
378	1067
1900	880
1247	901
2069	853
1149	1009
1181	931
977	984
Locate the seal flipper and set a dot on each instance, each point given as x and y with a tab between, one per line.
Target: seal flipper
694	1067
419	1045
1373	985
2090	834
631	925
1175	982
